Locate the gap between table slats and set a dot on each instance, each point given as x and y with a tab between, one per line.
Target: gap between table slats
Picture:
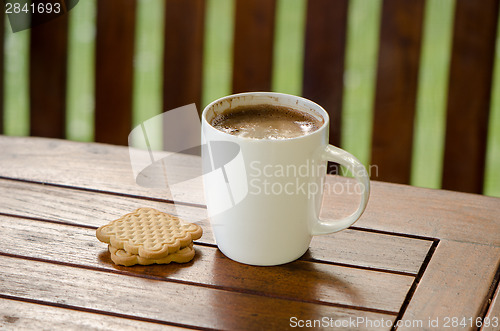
417	280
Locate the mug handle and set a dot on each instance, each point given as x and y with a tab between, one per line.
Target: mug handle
335	154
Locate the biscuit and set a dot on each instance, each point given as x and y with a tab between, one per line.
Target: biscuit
119	256
149	233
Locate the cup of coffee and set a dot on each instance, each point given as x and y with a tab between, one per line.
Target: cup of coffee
264	163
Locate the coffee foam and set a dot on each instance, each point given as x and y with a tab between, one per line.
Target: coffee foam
266	122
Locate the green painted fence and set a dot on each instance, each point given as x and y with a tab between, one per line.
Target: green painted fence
359	75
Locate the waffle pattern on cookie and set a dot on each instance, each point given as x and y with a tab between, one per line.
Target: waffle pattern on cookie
119	256
149	233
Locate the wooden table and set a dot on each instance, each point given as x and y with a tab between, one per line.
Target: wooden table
418	258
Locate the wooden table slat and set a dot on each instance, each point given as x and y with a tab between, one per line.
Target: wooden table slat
446	289
369	250
447	215
162	301
335	285
415	256
22	315
104	167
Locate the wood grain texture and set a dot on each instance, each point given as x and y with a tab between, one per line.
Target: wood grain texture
47	78
324	52
253	45
392	207
447	289
111	166
183	53
334	285
19	315
76	187
87	209
469	91
177	303
114	70
422	212
396	89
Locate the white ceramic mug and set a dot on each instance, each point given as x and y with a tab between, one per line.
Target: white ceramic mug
264	196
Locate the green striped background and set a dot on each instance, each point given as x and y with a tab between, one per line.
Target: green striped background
359	78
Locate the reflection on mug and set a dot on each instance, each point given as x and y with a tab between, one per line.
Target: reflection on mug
177	165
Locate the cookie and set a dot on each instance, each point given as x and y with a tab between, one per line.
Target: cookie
149	233
119	256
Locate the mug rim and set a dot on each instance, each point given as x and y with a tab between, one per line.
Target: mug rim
313	105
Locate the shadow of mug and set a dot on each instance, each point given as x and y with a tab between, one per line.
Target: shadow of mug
271	296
